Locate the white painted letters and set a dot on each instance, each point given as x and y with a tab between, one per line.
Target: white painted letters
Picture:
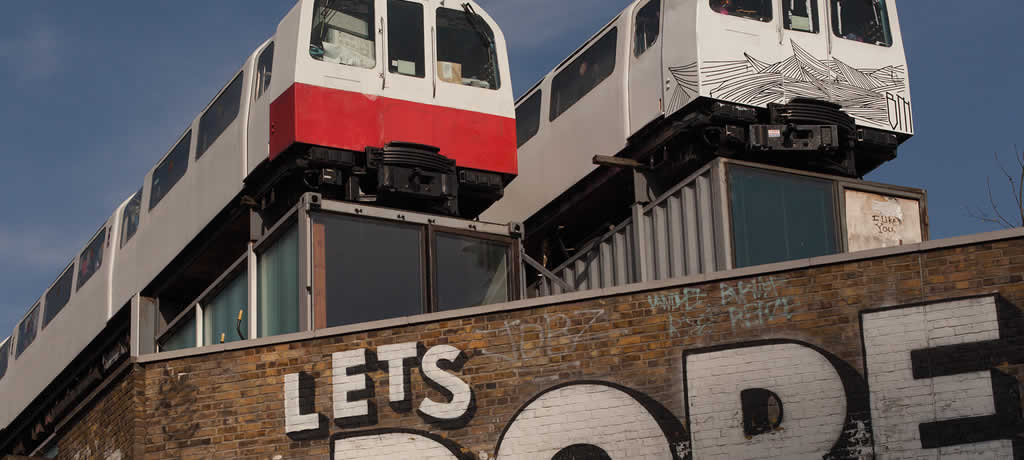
462	395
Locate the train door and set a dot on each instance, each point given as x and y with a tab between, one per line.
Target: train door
644	81
258	137
804	40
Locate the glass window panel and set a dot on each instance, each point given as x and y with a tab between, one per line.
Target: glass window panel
405	38
169	171
130	217
57	297
778	217
219	116
27	331
278	286
648	21
800	15
5	352
861	20
220	312
470	271
343	33
183	337
760	10
528	118
583	74
264	66
367	269
466	54
92	258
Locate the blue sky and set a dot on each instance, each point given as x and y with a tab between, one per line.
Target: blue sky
95	92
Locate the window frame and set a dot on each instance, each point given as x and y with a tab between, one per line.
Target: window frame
511	281
571	64
124	239
378	49
185	139
274	234
815	17
20	347
539	95
194	308
834	24
104	244
68	271
5	355
770	18
657	35
493	49
260	85
205	123
421	35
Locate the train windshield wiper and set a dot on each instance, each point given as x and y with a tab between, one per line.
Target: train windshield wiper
472	17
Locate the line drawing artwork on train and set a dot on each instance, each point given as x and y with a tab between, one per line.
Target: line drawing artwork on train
687	85
862	93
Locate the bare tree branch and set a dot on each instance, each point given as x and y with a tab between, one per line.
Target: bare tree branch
1016	184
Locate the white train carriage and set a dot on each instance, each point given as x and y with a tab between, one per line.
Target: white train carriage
744	78
338	84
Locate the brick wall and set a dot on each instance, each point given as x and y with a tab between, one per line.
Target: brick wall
906	356
107	429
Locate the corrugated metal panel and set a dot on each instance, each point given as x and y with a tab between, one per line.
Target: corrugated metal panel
673	236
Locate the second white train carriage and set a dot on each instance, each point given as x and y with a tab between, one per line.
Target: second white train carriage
715	67
338	76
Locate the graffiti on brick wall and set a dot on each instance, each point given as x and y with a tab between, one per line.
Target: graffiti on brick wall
689	314
756	302
521	340
933	389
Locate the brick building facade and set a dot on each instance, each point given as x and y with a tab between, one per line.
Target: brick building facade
913	352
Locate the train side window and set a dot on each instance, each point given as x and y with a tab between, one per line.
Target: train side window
800	15
130	217
405	38
263	69
27	331
864	21
583	74
758	10
91	258
169	171
5	351
357	264
466	54
648	21
219	116
528	118
343	33
58	296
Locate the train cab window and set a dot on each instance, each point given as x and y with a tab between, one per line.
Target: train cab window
343	33
277	285
221	322
864	21
528	118
583	74
264	66
800	15
366	270
130	217
470	271
27	331
758	10
405	38
648	21
169	171
219	116
778	217
5	351
92	258
58	296
466	54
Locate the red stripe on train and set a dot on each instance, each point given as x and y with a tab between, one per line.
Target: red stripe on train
353	121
